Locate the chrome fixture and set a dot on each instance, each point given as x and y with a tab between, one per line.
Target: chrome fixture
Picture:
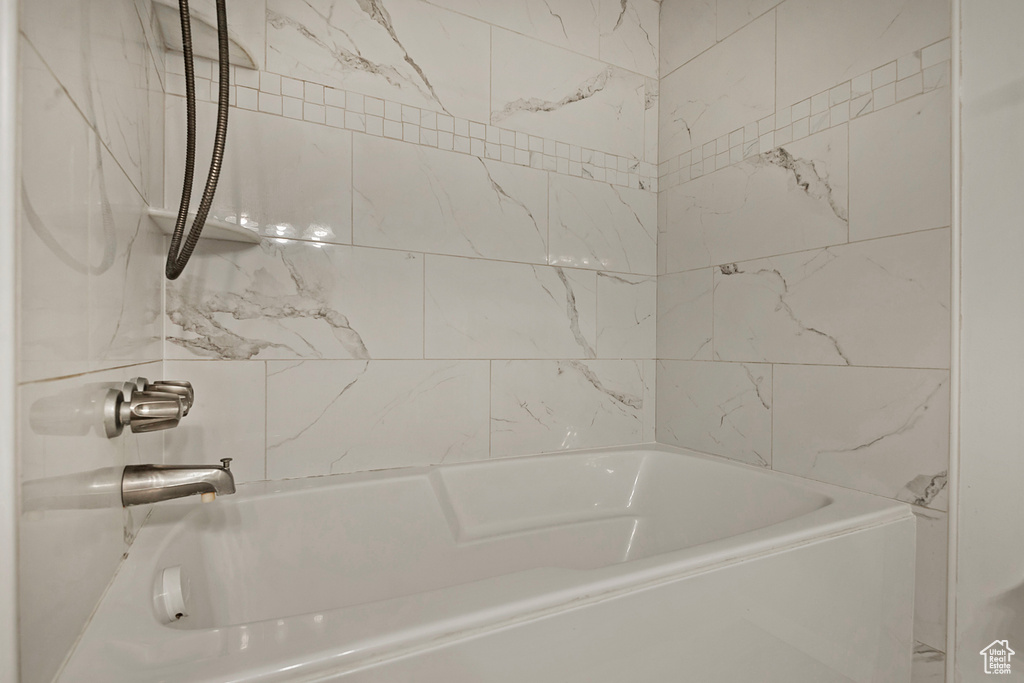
142	484
146	406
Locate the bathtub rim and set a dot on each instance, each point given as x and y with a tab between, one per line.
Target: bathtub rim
848	512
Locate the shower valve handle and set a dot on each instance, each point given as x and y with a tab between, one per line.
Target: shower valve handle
178	387
151	411
146	406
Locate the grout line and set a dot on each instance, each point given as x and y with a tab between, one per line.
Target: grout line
717	39
683	167
89	124
771	424
806	251
546	359
580	269
805	477
266	417
592	164
810	365
86	373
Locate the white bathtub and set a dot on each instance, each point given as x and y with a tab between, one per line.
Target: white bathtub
641	564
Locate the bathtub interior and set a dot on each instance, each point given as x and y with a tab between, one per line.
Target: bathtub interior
353	540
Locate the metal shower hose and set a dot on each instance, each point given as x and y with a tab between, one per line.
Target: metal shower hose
176	261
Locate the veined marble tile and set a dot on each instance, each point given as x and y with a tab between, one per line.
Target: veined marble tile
930	585
790	198
626	310
687	28
98	52
629	34
719	408
599	225
413	197
880	430
900	161
402	50
326	417
73	532
735	14
929	665
153	176
82	224
226	420
880	302
547	91
487	309
825	42
566	23
650	374
283	178
723	89
685	315
651	120
538	406
293	300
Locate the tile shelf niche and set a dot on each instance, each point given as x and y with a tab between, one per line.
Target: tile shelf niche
213	229
204	35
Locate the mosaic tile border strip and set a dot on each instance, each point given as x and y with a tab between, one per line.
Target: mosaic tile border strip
292	98
913	74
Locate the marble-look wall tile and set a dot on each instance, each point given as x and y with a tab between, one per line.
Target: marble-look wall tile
685	315
880	302
284	178
651	86
735	14
412	197
928	666
626	315
73	532
650	374
99	53
900	168
825	42
91	279
687	28
153	176
402	50
598	225
570	24
551	405
486	309
930	585
226	420
327	417
787	199
547	91
290	300
719	408
880	430
723	89
629	34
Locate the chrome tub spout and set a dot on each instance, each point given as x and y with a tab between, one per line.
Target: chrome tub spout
142	484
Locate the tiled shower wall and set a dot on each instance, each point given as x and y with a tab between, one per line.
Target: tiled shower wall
89	263
460	200
804	250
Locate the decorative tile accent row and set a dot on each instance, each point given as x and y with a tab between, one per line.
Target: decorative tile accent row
919	72
278	95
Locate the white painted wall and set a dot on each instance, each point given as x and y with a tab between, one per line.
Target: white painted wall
989	554
8	467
